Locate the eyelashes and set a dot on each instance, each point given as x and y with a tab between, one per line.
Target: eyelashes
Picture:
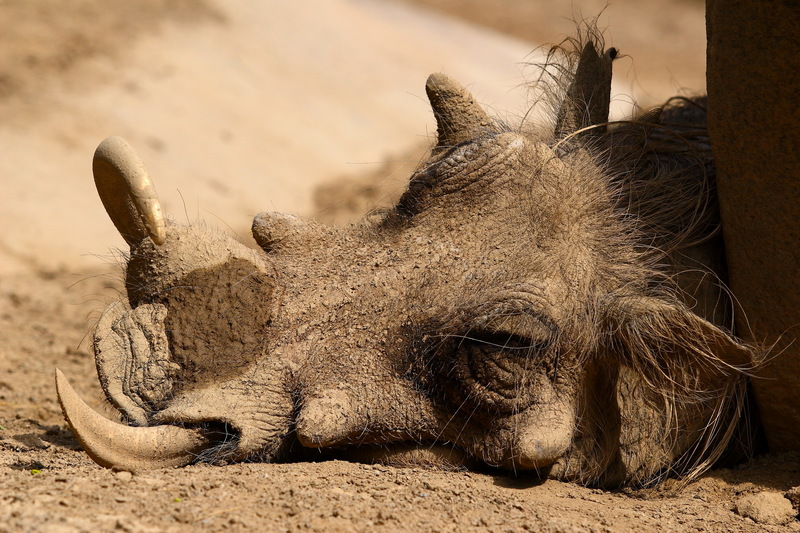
516	345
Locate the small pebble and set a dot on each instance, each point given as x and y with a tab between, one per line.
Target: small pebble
769	508
124	475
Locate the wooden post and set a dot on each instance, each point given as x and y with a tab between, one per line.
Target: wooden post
753	73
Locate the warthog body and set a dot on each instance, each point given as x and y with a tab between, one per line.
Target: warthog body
539	298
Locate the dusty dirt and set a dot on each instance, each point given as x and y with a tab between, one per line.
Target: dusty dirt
47	312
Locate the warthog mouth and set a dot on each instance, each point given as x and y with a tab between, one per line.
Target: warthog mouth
183	409
122	447
140	375
165	428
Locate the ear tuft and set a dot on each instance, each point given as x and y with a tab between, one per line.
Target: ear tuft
589	95
668	343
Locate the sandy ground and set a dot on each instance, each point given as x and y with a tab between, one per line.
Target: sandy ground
242	109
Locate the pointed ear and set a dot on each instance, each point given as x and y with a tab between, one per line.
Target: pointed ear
589	95
458	117
670	346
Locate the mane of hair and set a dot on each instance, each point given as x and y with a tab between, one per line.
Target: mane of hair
663	180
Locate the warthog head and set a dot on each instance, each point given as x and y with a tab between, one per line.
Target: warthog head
516	308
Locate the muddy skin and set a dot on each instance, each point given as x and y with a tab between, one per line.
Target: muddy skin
530	303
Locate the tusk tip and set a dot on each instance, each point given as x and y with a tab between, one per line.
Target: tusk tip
127	192
158	236
63	388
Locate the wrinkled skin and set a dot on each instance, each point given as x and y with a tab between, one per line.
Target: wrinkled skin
515	309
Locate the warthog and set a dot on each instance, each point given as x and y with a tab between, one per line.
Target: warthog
540	298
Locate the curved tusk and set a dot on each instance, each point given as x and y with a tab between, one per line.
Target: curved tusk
127	192
123	447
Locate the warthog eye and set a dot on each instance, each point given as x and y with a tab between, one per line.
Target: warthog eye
489	342
494	370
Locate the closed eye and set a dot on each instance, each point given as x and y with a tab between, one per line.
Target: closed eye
488	340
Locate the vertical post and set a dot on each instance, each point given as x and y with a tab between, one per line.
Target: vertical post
753	74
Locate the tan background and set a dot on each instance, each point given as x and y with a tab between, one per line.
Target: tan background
239	107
